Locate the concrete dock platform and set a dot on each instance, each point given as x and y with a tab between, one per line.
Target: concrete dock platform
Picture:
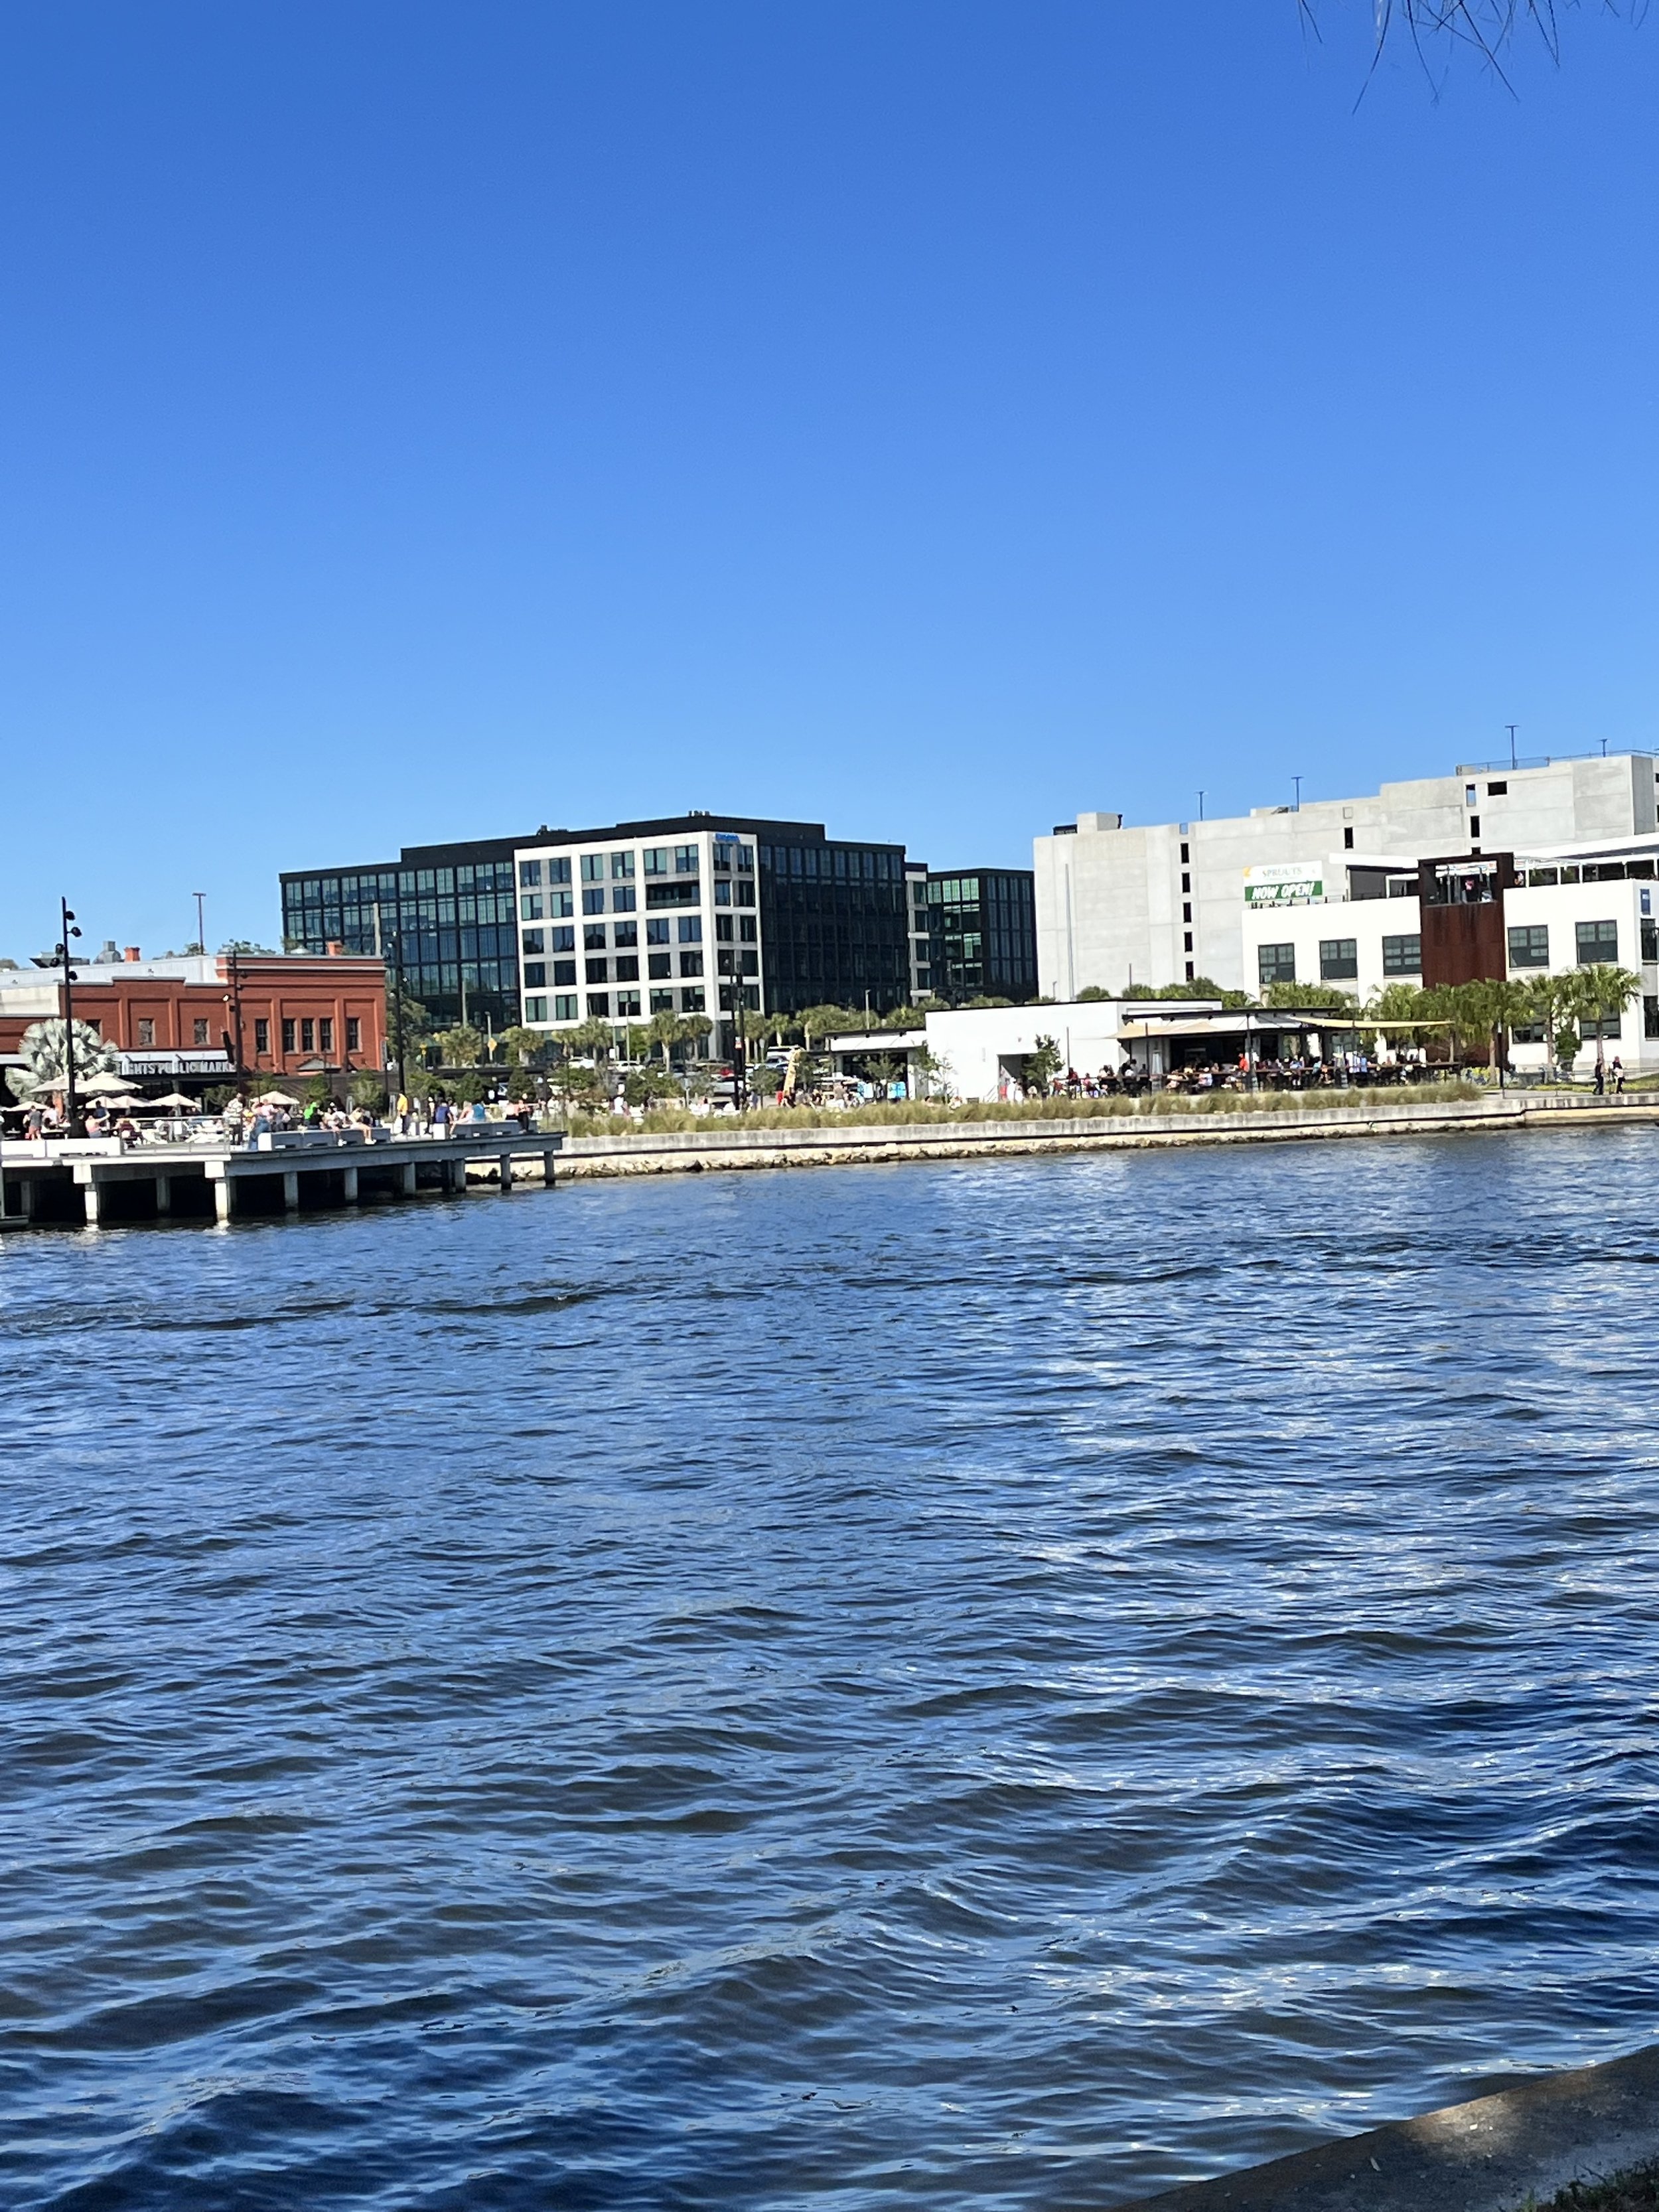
88	1182
1496	2154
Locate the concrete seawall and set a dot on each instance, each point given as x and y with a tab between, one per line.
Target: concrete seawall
693	1150
1497	2154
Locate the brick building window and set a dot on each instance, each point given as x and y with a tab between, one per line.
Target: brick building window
288	1036
198	1029
261	1036
146	1030
326	1033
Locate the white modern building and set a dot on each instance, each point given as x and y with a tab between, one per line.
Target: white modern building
1163	904
705	915
1569	905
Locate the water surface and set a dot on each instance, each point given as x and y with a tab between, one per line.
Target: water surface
987	1685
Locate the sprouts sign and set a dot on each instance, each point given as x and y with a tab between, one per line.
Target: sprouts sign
1285	883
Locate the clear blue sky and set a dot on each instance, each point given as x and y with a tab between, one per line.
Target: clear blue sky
933	417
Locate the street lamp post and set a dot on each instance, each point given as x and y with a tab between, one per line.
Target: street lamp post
72	1108
397	1004
200	898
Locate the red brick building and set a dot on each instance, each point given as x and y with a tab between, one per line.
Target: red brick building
294	1015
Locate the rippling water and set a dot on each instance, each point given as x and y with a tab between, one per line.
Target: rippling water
987	1685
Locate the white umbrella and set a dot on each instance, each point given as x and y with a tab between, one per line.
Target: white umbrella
172	1098
275	1098
105	1085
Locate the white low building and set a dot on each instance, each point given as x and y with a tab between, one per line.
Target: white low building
1571	906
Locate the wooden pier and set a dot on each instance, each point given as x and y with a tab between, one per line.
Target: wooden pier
89	1182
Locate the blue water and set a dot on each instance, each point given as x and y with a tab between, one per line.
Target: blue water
986	1686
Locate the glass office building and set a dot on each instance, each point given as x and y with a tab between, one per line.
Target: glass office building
481	941
982	934
452	907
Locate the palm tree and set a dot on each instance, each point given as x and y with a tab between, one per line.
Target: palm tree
666	1030
1547	995
1599	993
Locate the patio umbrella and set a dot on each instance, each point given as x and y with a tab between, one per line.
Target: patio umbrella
173	1098
105	1085
275	1098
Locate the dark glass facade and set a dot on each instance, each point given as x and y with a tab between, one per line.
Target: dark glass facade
833	921
453	906
982	926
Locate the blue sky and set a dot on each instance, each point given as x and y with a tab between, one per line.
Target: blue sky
931	418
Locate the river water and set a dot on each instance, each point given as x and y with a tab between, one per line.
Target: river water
986	1686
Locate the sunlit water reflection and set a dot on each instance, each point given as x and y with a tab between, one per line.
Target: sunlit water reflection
984	1686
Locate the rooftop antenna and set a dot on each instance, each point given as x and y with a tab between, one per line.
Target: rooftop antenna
1510	727
1297	781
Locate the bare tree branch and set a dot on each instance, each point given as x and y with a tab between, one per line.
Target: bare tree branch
1486	28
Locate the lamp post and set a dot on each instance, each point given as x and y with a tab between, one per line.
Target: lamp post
200	898
398	1005
72	1108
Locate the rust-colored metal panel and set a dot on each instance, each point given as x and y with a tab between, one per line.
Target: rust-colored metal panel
1463	944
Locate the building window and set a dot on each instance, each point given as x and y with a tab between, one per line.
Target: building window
535	940
690	929
593	937
1495	790
691	1002
628	1005
1469	794
657	931
1186	911
592	901
564	971
1597	941
307	1034
1650	1018
1529	946
622	899
1185	883
354	1034
723	931
749	931
1276	963
564	1007
198	1030
1189	971
325	1035
1186	855
1403	955
622	867
558	871
625	933
662	1002
659	964
146	1030
685	860
660	895
560	904
598	1002
1347	841
1650	941
288	1036
599	971
690	964
561	940
535	975
1186	942
1339	959
530	907
261	1037
592	867
535	1010
628	968
656	860
722	894
530	874
1474	825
